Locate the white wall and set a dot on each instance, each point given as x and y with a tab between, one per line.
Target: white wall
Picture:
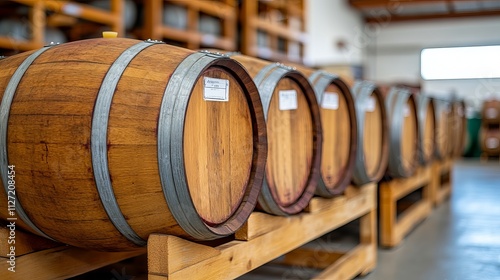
329	21
393	52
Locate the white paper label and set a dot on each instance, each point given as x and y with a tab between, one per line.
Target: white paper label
288	100
330	101
491	113
492	143
215	89
72	9
406	110
370	104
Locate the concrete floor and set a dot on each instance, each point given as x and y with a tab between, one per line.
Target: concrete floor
461	238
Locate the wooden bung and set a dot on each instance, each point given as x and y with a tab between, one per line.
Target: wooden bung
427	125
340	135
403	132
294	135
113	140
373	136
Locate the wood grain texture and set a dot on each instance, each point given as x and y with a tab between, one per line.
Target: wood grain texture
428	131
443	117
409	137
294	139
290	146
220	178
175	258
373	137
459	127
339	134
49	142
337	138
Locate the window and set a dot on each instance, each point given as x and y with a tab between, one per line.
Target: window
460	63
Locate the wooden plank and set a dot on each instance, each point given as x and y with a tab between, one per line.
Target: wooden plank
10	43
197	38
235	258
392	229
312	257
278	30
258	224
347	267
77	10
409	220
61	263
24	243
401	187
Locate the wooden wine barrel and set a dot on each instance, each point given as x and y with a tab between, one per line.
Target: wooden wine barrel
373	137
338	123
293	133
459	128
115	139
427	125
491	111
490	141
403	132
443	111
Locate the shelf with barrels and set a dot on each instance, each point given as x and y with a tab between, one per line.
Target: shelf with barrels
28	25
490	129
274	30
425	136
104	148
193	24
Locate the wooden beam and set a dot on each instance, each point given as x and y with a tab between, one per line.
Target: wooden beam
397	18
365	4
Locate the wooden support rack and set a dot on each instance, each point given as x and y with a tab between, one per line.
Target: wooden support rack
265	237
441	181
40	258
38	19
191	37
393	229
274	30
262	239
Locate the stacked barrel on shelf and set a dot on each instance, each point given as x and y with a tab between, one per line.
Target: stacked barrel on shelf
115	139
490	129
122	138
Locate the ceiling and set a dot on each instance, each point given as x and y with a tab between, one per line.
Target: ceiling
405	10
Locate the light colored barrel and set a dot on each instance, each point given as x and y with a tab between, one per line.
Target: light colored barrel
403	132
338	121
427	125
373	138
115	139
294	135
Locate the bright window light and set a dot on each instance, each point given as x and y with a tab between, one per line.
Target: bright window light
460	63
